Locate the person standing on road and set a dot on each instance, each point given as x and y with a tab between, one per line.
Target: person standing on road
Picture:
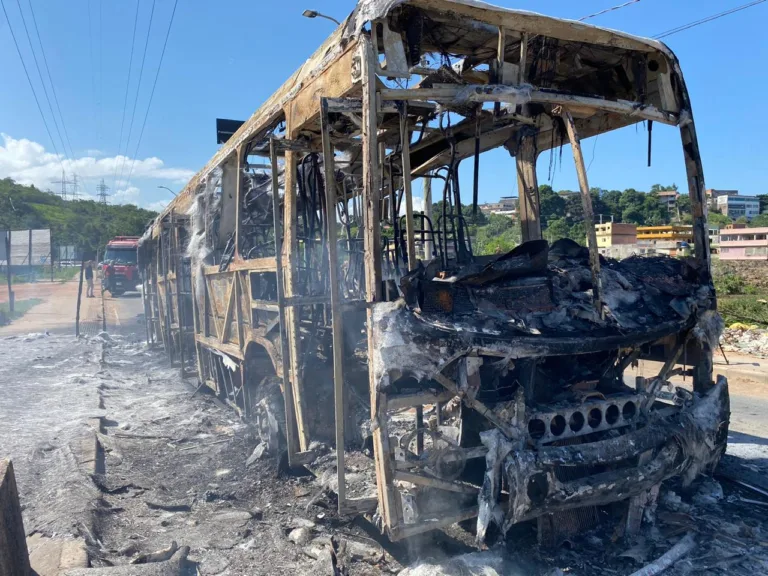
89	279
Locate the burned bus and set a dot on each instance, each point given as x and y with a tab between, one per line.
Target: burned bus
425	383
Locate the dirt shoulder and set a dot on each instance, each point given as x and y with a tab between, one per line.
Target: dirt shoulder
55	312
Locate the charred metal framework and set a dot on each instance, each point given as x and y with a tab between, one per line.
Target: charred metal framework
294	270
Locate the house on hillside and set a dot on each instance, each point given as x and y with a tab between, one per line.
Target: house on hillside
664	239
713	195
744	244
736	206
668	199
506	206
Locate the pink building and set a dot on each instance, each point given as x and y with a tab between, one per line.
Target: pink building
744	244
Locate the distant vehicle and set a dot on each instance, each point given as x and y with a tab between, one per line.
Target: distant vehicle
119	269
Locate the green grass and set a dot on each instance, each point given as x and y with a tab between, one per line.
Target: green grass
42	274
746	309
20	307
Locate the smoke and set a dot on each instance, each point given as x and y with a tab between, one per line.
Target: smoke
202	213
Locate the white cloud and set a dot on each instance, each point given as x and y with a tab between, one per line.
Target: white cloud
129	195
157	206
94	152
418	205
28	162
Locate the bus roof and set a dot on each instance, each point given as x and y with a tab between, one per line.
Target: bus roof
468	24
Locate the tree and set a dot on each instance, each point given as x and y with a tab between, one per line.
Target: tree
760	221
499	224
82	223
574	209
654	212
499	236
611	200
551	204
633	215
557	228
742	220
718	218
683	205
763	202
631	198
578	233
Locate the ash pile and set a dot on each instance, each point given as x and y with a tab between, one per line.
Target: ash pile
541	289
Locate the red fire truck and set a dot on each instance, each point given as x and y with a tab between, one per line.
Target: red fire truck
120	271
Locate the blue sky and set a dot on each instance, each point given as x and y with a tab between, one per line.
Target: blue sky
225	58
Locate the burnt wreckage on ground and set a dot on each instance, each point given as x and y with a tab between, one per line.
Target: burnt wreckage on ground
295	278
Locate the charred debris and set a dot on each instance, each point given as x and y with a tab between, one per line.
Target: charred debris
294	276
540	371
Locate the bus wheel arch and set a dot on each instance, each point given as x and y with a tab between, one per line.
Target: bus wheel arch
263	394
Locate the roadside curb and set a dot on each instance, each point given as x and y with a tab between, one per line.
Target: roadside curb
91	454
51	556
54	556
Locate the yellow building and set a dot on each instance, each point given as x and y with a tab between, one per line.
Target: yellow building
615	233
670	233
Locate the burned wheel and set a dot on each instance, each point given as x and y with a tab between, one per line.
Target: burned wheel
268	413
263	400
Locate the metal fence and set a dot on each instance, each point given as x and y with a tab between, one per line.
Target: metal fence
27	247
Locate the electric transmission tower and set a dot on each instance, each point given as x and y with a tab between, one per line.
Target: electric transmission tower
102	190
75	187
64	182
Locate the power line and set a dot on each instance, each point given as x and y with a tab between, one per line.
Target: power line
101	72
707	19
154	85
608	10
90	55
50	79
45	90
138	88
127	86
31	86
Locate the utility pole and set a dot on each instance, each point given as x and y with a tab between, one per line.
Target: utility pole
64	182
102	190
8	269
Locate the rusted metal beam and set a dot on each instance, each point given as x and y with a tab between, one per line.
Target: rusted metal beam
586	201
290	279
411	400
405	143
225	329
528	185
267	264
435	483
290	416
521	21
388	503
455	94
337	329
239	177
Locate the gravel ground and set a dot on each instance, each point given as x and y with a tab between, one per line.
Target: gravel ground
48	396
176	472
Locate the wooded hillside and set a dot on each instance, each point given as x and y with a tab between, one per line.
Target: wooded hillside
85	224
